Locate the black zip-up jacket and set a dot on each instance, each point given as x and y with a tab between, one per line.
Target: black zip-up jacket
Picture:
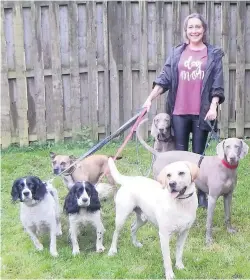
212	84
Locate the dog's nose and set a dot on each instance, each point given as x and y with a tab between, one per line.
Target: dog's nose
26	193
172	184
84	199
56	171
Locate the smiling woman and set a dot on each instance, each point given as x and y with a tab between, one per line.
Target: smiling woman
193	75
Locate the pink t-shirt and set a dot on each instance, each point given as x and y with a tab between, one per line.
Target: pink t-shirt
191	70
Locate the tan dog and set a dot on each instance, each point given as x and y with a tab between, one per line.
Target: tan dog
89	169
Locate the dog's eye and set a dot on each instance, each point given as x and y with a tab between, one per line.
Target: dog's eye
63	163
181	173
168	175
54	161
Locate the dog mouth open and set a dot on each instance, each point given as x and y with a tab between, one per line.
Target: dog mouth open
176	194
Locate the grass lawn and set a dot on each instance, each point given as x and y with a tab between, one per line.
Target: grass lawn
228	257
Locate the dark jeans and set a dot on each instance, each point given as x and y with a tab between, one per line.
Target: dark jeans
183	125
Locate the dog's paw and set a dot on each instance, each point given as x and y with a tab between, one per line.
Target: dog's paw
137	244
209	241
112	252
75	252
169	275
39	247
179	265
54	254
59	232
100	249
231	230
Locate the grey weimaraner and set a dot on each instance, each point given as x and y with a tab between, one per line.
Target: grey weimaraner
218	174
161	132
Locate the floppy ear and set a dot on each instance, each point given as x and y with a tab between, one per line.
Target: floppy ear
40	188
70	203
162	178
194	170
15	191
220	150
52	155
154	131
94	200
244	149
72	159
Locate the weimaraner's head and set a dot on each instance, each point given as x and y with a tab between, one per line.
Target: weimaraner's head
232	150
178	176
160	125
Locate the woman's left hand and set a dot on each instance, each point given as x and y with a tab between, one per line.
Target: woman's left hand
212	113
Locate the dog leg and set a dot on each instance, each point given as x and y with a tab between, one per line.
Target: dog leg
34	238
164	241
120	219
99	233
179	249
58	227
73	231
53	250
134	228
227	209
210	212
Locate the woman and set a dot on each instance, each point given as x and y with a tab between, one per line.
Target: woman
193	75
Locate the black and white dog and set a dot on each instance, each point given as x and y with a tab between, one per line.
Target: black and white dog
82	204
39	209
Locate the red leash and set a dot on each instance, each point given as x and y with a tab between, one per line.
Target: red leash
126	140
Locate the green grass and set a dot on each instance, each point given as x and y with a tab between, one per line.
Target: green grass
228	257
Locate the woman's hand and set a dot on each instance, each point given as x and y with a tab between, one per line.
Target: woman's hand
212	112
147	104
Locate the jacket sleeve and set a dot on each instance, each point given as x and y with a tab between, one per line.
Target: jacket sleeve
218	82
164	79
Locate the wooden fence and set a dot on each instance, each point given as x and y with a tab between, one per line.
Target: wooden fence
70	64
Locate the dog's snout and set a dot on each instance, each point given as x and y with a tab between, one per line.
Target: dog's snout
26	193
172	184
161	130
84	199
56	171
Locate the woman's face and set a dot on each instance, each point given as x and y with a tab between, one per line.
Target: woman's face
195	31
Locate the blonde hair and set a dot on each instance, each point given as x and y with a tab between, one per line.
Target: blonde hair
204	25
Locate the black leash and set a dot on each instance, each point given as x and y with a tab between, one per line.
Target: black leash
212	135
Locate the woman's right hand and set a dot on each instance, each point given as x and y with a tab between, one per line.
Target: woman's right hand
147	104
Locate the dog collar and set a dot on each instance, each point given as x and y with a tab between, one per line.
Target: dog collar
166	139
189	195
228	165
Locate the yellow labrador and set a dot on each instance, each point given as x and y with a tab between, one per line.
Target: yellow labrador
170	205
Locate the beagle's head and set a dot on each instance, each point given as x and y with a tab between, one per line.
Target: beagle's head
60	162
178	176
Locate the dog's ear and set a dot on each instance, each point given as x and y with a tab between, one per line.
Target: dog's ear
154	131
52	155
220	150
15	191
70	204
194	170
39	188
244	149
94	199
162	178
72	158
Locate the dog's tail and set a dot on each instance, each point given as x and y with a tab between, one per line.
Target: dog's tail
117	176
150	149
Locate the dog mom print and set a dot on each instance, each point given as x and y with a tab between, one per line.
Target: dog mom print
192	70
